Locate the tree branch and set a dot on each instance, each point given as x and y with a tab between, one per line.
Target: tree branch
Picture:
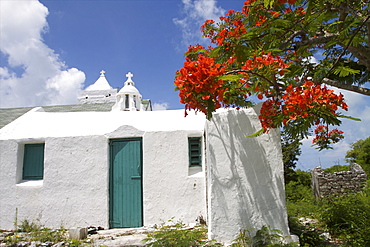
352	88
292	36
349	45
362	54
342	17
318	39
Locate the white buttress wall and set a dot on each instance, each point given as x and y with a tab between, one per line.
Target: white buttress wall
245	176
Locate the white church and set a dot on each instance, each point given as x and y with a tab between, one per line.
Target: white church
111	161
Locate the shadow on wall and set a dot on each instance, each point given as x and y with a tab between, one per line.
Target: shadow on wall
247	188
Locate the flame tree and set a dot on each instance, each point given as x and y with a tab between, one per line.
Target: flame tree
266	50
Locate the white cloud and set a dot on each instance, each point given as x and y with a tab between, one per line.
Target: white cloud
311	60
196	12
160	106
34	74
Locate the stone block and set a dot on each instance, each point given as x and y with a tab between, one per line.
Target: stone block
77	233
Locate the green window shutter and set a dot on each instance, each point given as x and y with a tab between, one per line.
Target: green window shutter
33	161
195	151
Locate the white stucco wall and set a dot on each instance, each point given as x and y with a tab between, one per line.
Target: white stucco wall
74	190
245	176
171	188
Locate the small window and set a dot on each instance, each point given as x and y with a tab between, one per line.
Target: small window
33	161
195	151
127	101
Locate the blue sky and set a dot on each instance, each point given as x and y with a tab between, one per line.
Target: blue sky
147	38
50	50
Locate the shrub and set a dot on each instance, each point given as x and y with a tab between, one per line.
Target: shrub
29	231
299	197
304	208
28	226
265	237
348	217
337	168
175	234
308	235
49	235
296	192
299	187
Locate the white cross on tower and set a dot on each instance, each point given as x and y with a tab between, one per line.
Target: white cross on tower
102	73
129	75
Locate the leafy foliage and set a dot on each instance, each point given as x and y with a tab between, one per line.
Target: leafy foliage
49	235
176	234
301	203
308	235
290	150
337	168
29	226
299	195
348	217
360	154
299	186
31	231
263	237
266	50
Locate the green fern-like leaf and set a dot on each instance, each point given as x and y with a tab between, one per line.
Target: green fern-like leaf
343	71
258	133
268	3
230	77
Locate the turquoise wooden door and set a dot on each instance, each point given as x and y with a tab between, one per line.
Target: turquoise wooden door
125	184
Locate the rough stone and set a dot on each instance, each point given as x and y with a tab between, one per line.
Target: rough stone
77	233
337	183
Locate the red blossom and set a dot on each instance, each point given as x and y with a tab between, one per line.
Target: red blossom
304	102
300	11
198	83
288	10
324	137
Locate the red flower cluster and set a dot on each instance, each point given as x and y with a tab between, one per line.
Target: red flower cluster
199	85
236	23
312	102
276	64
269	113
324	137
305	101
300	11
233	28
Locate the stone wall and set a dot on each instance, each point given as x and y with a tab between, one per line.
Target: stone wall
324	183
